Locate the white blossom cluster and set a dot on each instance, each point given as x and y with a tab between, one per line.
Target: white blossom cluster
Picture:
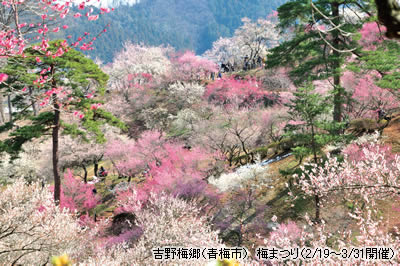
185	120
189	92
368	138
237	179
166	221
32	164
33	228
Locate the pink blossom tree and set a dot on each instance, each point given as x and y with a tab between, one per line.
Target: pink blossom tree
367	97
77	196
244	93
371	35
167	165
189	67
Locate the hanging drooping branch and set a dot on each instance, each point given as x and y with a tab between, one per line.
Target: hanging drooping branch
334	27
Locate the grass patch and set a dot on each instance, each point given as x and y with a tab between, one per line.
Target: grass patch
288	208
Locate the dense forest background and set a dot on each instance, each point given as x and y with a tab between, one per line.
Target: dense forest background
185	25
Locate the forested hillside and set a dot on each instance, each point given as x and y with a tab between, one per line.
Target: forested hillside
183	24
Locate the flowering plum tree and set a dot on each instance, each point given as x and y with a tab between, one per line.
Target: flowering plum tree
164	221
375	174
136	63
168	166
229	133
243	93
189	67
225	50
367	96
186	94
33	228
75	152
251	41
241	214
371	233
255	38
77	196
27	166
233	135
371	35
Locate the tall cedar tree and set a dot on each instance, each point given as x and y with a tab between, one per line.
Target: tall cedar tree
71	73
316	51
311	132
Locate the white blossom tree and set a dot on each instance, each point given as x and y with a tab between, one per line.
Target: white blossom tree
225	50
250	42
135	60
370	233
164	221
255	38
33	228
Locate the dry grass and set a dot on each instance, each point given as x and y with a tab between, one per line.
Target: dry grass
391	133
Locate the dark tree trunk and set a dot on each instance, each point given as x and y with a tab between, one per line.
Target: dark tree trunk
33	103
96	168
3	119
339	91
317	208
56	129
85	173
240	236
314	147
9	108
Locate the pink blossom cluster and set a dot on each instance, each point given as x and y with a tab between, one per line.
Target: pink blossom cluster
167	165
189	67
76	195
372	34
368	97
228	90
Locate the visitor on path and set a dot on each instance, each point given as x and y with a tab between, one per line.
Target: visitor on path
381	114
246	63
102	172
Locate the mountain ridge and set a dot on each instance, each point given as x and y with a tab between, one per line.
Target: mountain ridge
183	24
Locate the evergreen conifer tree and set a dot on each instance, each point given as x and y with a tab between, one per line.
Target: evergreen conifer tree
323	39
71	83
